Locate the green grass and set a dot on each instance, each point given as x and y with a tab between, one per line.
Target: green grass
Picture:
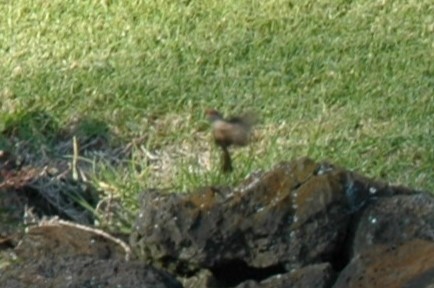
347	81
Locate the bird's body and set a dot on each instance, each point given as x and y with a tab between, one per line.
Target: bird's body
234	131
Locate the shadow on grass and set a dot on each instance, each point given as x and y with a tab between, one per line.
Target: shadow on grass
37	128
39	165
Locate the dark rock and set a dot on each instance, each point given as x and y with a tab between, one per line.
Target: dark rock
395	220
318	276
63	254
393	242
84	271
407	265
56	239
298	214
292	216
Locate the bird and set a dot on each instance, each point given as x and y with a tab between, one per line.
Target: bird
233	131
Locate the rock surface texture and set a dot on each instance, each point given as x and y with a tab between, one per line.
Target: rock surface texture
300	214
301	224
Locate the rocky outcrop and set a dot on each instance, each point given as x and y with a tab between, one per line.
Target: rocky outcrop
297	215
316	275
301	224
393	244
410	264
289	217
63	254
395	220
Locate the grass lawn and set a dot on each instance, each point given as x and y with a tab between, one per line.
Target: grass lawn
347	81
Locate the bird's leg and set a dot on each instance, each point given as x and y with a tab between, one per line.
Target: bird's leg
226	160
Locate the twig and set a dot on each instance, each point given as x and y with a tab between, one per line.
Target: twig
55	221
74	158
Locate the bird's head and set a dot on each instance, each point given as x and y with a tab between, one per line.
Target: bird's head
213	115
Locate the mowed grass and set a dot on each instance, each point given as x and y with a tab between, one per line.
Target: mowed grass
351	82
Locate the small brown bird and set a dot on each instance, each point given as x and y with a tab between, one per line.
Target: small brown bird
232	131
